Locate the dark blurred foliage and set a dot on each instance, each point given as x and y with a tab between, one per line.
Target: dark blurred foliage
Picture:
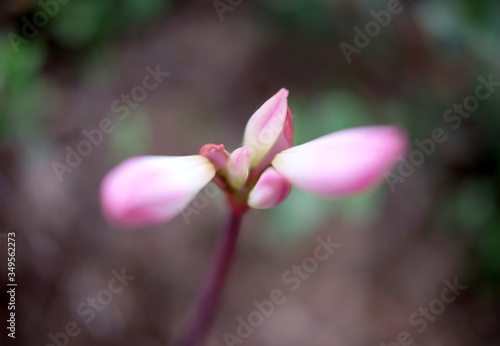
64	78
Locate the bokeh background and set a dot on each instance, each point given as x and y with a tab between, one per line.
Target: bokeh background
398	246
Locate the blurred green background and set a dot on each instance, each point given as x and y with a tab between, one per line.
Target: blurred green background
62	77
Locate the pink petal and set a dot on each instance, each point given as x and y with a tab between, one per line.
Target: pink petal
147	190
343	162
271	189
270	127
216	153
238	167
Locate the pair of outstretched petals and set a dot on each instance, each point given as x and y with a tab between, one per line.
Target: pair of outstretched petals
154	189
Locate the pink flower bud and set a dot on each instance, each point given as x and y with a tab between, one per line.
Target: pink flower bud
271	189
238	167
269	129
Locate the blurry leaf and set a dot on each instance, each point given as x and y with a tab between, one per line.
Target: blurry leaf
18	69
100	67
489	243
362	208
138	11
4	125
482	12
308	16
301	130
440	19
475	205
396	112
300	214
338	109
331	111
81	21
94	21
23	91
36	93
22	117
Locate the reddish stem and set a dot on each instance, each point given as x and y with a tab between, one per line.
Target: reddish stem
204	307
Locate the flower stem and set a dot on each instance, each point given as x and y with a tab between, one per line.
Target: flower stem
203	309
